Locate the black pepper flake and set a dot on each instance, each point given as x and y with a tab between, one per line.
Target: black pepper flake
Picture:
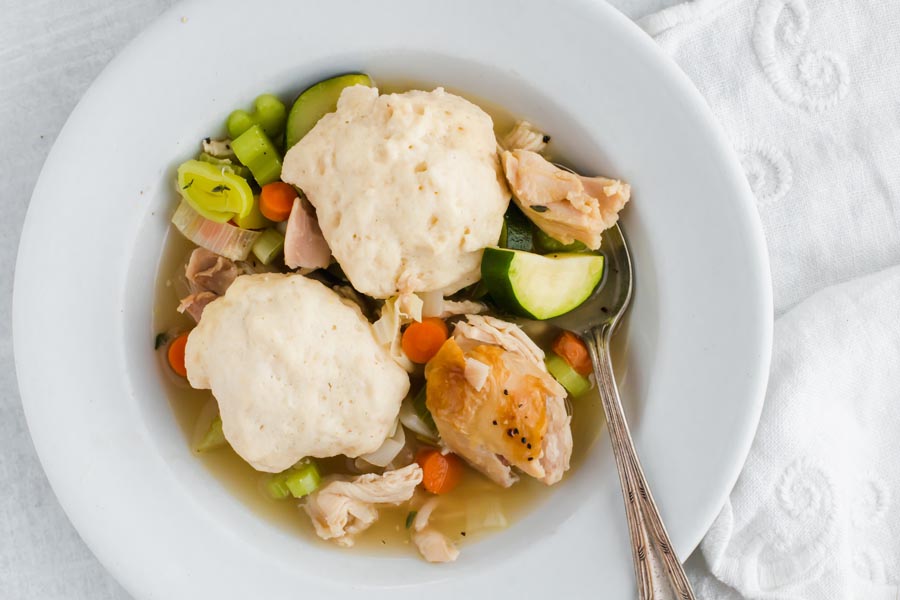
538	208
516	431
506	392
530	458
462	533
546	139
509	432
528	446
207	140
494	421
524	440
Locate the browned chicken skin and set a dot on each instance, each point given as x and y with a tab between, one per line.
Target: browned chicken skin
515	418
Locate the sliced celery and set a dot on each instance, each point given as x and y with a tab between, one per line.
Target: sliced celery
236	168
268	246
574	382
256	150
268	112
214	190
213	438
303	481
298	481
276	487
255	220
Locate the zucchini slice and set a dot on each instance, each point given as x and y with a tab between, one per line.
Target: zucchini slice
540	287
315	102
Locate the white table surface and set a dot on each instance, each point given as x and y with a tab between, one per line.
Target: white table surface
50	52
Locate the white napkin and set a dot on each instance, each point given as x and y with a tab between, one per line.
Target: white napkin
809	92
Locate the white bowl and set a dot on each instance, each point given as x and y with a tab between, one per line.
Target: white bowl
698	344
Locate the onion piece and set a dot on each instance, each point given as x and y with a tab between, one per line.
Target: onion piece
387	331
221	238
485	514
410	419
388	450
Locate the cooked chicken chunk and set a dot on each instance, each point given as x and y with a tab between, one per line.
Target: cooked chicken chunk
433	545
209	276
304	245
341	509
512	417
525	136
566	206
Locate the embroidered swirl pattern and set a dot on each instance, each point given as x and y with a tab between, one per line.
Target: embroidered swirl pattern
768	171
812	79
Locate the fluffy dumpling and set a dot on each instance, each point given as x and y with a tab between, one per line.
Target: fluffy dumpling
296	372
407	188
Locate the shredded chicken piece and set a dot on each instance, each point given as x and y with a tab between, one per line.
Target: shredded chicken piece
525	136
452	308
395	313
209	276
566	206
193	304
218	148
432	544
341	509
491	330
304	245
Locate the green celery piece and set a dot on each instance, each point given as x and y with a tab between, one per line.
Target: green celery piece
214	437
303	481
237	169
276	487
574	382
298	481
254	149
269	112
268	246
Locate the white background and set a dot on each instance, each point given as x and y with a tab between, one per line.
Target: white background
50	52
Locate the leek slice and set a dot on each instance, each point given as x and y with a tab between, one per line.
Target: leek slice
214	190
223	239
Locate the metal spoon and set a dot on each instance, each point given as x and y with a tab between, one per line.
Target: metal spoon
596	321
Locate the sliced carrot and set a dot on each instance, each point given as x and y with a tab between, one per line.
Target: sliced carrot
422	340
571	349
276	200
440	472
176	354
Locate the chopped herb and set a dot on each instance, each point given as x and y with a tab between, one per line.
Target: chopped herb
221	188
539	208
410	518
188	184
161	340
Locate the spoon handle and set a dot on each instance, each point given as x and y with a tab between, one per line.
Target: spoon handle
651	549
